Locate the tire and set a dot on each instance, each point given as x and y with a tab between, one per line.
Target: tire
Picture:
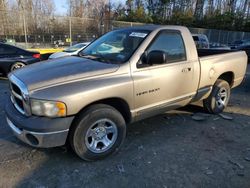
97	132
219	97
17	65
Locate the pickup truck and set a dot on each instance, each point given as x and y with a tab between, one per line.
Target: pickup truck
89	99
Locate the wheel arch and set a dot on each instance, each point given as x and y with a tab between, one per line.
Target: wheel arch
18	61
228	77
118	103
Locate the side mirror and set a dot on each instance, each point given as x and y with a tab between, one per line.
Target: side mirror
156	57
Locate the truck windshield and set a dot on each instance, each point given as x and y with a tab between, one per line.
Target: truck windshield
116	46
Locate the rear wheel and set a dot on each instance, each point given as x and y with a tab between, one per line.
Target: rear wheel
219	97
97	132
17	65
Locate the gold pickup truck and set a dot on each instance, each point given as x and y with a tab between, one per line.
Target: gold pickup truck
124	76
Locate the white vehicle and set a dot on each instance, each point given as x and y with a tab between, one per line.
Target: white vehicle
73	50
218	46
201	41
107	48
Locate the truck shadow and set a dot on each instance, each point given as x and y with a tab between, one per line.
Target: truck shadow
154	151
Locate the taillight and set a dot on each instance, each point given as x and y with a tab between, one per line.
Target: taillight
37	56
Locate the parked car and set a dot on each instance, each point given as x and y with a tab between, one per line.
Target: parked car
89	99
12	58
58	43
3	40
246	49
219	46
8	41
73	50
201	41
46	52
239	43
106	48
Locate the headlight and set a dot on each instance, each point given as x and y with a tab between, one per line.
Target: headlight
48	108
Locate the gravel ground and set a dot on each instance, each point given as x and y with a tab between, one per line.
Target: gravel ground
170	150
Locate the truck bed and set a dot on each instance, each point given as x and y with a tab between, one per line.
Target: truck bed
208	52
215	62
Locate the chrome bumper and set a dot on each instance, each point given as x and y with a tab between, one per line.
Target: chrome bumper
41	140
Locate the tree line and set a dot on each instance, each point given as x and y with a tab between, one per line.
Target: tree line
215	14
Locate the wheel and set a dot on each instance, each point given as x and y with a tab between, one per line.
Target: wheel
219	97
97	132
17	65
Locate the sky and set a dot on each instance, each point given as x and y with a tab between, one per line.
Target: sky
61	6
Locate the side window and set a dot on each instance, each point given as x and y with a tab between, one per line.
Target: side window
172	44
196	38
2	51
7	50
20	52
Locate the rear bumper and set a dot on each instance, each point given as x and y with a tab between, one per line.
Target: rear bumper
38	131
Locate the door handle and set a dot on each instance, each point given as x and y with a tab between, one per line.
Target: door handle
186	69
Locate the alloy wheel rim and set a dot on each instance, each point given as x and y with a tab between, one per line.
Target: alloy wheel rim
101	136
17	66
221	97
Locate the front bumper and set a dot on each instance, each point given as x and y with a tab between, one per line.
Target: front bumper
36	131
42	140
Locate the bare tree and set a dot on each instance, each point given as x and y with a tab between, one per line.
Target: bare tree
3	17
199	9
246	5
210	7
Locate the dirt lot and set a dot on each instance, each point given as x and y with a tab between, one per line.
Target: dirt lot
170	150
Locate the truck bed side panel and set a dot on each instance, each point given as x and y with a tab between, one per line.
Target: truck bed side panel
212	67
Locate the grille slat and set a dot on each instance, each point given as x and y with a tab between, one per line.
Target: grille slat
17	98
17	88
16	95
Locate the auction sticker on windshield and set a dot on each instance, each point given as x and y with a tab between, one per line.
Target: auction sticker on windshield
136	34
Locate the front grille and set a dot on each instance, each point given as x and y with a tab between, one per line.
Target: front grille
18	91
19	103
17	98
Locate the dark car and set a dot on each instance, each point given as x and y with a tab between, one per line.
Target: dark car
239	43
246	49
12	57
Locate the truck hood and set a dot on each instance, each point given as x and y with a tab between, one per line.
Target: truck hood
61	70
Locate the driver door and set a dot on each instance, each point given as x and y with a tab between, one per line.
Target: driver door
172	84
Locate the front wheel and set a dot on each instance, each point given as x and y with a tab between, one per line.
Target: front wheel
219	97
97	132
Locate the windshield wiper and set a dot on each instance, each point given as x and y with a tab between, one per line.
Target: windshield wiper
100	57
87	56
